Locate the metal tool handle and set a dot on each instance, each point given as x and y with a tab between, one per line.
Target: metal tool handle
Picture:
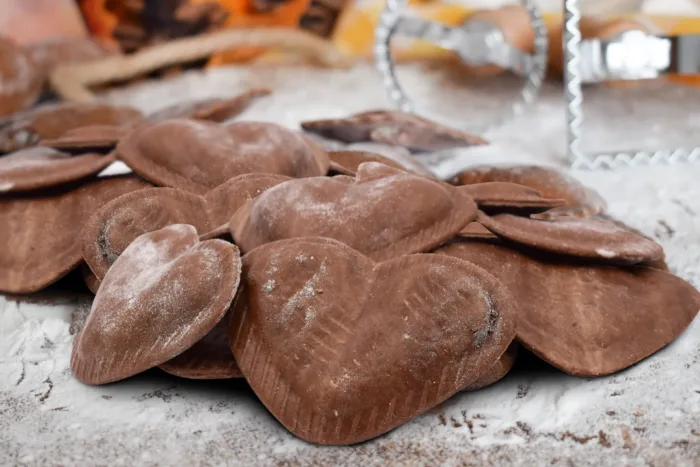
476	42
633	55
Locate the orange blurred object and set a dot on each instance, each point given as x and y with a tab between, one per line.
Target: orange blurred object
31	21
100	21
122	22
242	15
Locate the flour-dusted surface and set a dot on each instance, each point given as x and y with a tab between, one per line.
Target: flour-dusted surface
646	415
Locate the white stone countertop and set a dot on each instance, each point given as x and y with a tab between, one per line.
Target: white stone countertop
646	415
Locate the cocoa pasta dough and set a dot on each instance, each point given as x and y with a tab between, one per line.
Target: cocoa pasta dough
352	290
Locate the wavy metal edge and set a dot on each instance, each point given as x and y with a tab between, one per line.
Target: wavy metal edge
388	21
609	160
621	159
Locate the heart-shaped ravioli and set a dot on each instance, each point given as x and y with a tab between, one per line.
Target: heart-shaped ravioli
34	168
590	237
198	156
112	228
505	195
40	238
348	161
397	154
165	293
550	183
345	165
476	231
656	264
423	136
587	320
224	200
27	128
382	217
491	196
20	79
341	349
99	138
213	110
498	196
209	358
399	128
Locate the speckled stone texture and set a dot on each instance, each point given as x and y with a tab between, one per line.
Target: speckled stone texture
646	415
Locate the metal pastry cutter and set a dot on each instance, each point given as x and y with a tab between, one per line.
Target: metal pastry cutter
476	42
633	55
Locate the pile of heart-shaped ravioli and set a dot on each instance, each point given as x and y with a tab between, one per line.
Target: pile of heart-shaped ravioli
351	289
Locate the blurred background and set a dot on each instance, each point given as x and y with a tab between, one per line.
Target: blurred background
133	24
435	78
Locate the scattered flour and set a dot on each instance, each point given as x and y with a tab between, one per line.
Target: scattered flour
591	225
302	298
149	262
309	315
267	137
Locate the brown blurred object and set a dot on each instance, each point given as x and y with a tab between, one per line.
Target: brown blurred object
20	80
135	24
321	16
72	82
24	71
257	14
30	21
50	54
